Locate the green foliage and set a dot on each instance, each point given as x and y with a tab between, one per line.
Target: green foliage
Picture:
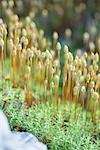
53	130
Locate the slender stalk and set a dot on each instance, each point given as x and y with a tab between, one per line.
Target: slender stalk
76	95
2	57
28	98
56	93
88	98
63	99
69	85
14	69
28	93
94	99
82	96
5	42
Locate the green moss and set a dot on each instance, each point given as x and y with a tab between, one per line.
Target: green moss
57	132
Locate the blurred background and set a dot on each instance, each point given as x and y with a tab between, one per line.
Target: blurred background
76	21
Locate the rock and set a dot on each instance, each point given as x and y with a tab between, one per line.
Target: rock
17	140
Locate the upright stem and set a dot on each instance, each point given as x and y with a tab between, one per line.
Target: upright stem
63	100
82	100
69	84
28	94
56	98
88	98
76	100
5	42
14	72
2	58
76	95
83	91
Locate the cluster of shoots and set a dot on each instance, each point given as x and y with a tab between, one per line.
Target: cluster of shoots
35	66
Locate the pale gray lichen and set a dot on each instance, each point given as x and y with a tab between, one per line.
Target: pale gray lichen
17	140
